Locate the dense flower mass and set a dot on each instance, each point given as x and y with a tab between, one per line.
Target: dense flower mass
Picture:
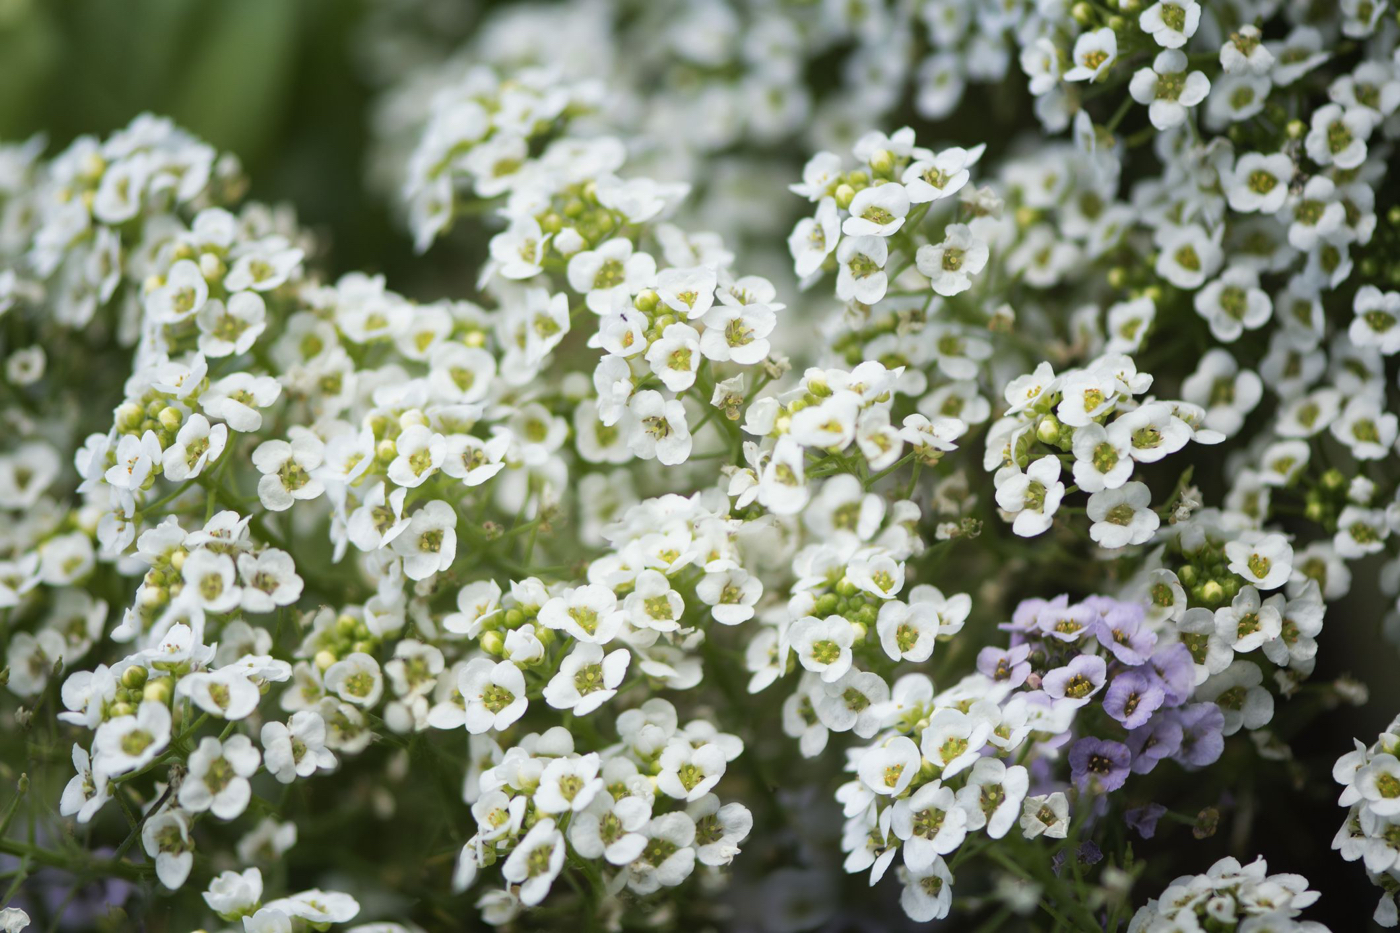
983	497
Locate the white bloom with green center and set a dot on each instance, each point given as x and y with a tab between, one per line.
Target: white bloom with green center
588	613
928	894
494	693
289	469
950	265
429	544
1259	182
675	357
1122	516
930	822
1095	52
611	830
815	238
587	678
1238	692
659	430
1171	22
218	776
823	646
1377	320
1266	560
1031	497
1247	623
297	748
227	693
166	838
233	895
197	444
668	857
861	274
356	679
689	292
888	768
569	784
877	211
853	703
1045	815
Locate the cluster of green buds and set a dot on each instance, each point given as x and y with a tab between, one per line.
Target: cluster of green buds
137	686
347	636
1206	576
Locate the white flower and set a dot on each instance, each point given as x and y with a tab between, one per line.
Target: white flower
888	768
568	785
1046	815
668	858
228	329
196	445
494	693
861	276
269	580
1095	52
429	544
951	264
611	829
87	791
588	613
1237	691
1366	428
166	838
1187	255
1266	560
992	796
227	693
928	894
719	829
1338	136
218	776
587	679
536	861
420	453
689	292
675	357
1171	22
659	430
1377	320
298	748
687	772
814	239
1259	182
877	211
233	895
126	743
930	822
1167	88
612	271
519	249
288	470
1122	516
356	679
1032	497
823	646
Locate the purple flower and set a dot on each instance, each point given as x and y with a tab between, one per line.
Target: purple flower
1007	667
1177	670
1144	819
1077	681
1064	622
1159	739
1133	697
1122	632
1202	738
1025	616
1098	764
1087	853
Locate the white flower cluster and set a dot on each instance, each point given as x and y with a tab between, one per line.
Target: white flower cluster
1230	896
1370	777
332	533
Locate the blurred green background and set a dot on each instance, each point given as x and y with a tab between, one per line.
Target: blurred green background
284	84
